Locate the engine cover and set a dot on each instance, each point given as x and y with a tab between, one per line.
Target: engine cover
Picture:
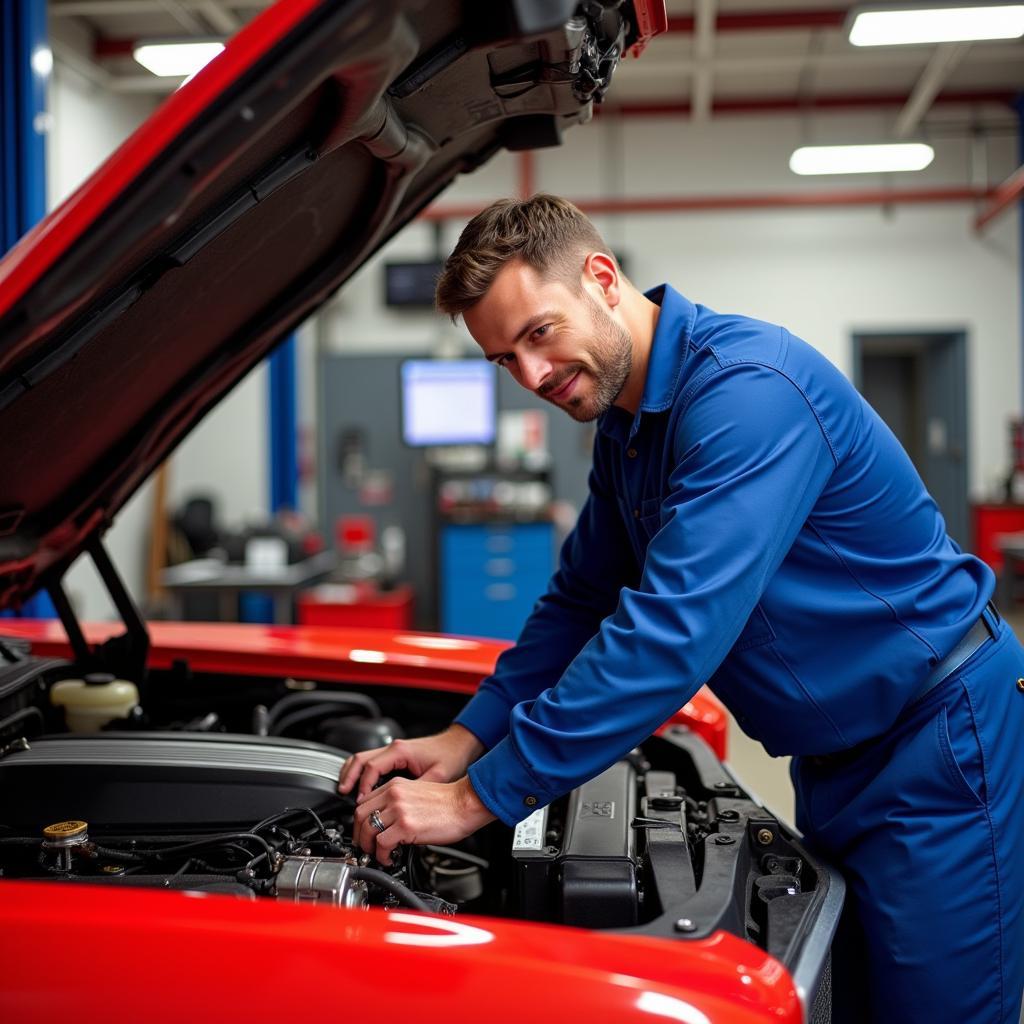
161	783
591	881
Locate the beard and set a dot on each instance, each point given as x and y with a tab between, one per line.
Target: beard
611	359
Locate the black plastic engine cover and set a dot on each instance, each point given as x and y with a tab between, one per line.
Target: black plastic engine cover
597	885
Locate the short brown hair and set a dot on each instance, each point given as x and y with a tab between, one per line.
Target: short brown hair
546	232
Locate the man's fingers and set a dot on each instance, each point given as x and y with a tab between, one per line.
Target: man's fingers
369	779
357	764
388	759
350	773
364	835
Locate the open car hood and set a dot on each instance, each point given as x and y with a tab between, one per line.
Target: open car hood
237	209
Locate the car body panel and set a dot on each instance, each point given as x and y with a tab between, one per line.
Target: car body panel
332	653
264	960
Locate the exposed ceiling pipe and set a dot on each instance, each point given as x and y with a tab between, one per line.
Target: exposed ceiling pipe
784	104
102	8
940	67
527	174
183	16
1001	198
704	52
220	17
778	201
862	61
757	21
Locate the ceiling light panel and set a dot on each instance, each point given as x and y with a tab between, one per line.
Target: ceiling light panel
941	24
877	159
176	59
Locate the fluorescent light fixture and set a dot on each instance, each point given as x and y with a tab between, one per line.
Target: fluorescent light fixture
935	23
903	156
178	58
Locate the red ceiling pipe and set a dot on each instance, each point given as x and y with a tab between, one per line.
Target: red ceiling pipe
758	21
738	21
113	47
783	104
697	204
1002	198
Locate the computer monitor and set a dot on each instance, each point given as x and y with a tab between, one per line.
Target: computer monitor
448	402
410	285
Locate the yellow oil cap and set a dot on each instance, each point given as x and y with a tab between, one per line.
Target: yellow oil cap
65	830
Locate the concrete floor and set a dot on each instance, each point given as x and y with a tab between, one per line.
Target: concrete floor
767	778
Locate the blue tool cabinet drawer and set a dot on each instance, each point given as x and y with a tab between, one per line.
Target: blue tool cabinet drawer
492	575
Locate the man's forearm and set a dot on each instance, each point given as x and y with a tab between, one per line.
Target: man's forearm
464	742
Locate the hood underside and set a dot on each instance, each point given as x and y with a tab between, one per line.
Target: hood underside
253	193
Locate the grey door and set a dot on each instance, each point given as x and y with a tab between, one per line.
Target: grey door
918	385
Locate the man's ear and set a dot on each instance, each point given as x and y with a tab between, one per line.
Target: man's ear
601	275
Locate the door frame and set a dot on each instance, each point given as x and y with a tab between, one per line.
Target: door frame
959	339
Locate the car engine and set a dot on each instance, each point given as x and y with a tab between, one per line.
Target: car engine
229	785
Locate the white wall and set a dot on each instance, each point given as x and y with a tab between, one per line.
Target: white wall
86	124
826	273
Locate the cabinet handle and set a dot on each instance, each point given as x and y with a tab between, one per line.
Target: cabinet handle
499	543
499	567
500	592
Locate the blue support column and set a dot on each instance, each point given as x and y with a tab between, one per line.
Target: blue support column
284	463
1019	104
25	63
24	69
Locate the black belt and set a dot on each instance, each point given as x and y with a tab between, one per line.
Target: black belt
979	634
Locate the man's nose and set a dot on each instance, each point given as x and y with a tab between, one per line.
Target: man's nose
534	370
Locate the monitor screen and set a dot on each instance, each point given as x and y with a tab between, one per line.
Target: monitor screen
448	401
411	285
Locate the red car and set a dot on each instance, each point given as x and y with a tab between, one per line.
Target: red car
192	857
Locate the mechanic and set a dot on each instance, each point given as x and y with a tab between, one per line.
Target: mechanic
753	525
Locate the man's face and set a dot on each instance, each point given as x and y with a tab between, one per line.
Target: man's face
565	347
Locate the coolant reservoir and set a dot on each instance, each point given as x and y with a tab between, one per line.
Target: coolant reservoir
92	702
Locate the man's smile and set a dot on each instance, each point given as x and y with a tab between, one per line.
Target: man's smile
563	390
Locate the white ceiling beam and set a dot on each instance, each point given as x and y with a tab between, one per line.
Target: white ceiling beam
67	55
946	57
703	51
184	17
72	46
221	19
105	8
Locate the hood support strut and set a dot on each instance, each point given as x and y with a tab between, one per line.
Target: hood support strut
124	655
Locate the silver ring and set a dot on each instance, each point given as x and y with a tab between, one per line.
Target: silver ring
375	821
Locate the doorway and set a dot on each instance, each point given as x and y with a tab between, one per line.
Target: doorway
917	382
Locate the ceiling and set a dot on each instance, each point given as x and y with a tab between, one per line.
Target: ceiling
719	57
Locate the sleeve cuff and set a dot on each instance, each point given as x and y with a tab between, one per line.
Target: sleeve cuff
506	786
486	716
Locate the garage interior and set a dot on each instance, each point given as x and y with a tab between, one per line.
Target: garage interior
911	282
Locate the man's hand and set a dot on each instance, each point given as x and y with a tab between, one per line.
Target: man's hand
414	811
441	758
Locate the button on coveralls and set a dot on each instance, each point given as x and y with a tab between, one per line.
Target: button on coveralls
756	527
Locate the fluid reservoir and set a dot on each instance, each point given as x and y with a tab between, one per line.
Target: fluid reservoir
94	701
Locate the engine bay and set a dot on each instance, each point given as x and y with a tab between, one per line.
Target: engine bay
229	784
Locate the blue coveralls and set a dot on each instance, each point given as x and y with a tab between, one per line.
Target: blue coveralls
756	527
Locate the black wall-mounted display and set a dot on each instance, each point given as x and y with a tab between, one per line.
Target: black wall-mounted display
410	285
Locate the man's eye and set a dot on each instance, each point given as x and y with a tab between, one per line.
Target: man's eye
541	331
506	360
